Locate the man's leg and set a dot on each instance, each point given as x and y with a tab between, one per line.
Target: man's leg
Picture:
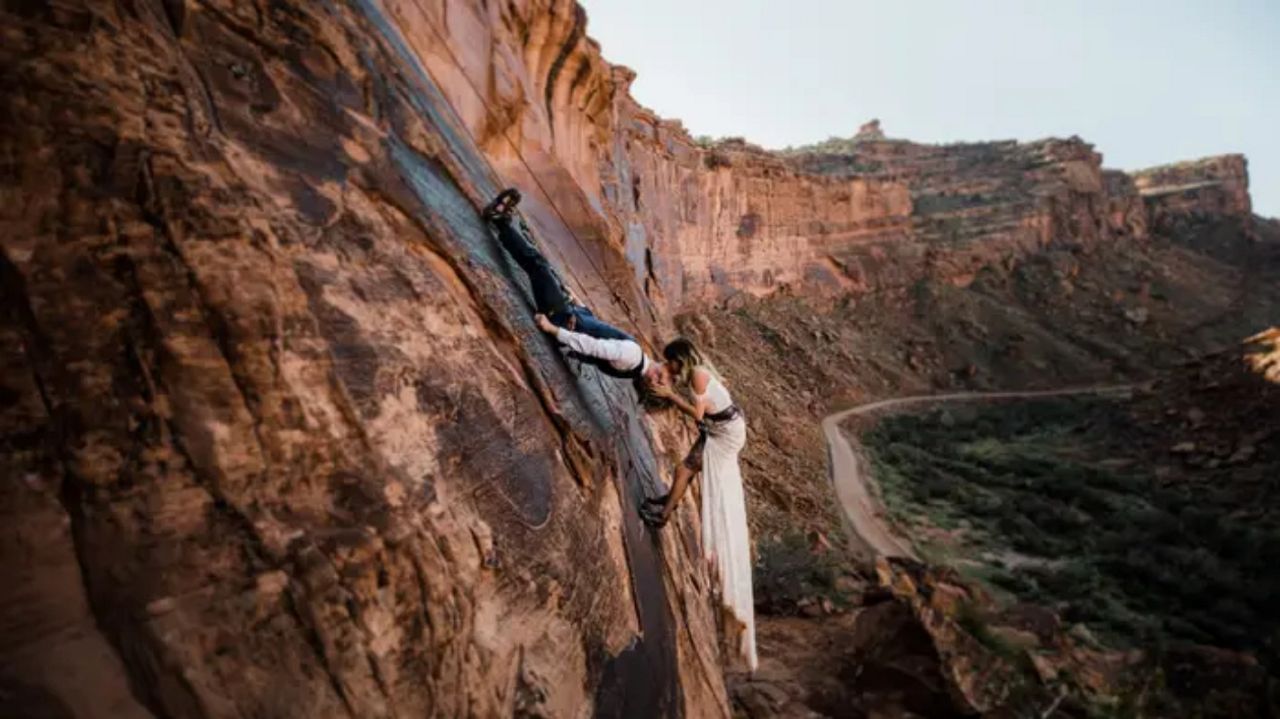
548	295
587	323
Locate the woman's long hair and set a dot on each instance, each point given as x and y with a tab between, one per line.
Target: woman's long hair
684	358
647	399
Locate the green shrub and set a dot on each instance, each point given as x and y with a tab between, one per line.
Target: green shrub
1114	548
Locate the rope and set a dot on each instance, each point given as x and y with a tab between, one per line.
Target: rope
489	114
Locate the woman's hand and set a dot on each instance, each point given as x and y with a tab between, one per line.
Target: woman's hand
544	324
654	516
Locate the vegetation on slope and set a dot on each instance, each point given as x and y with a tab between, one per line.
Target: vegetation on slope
1055	502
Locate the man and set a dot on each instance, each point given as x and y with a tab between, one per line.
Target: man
550	296
605	347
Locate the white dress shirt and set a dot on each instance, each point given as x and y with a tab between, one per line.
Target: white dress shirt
622	355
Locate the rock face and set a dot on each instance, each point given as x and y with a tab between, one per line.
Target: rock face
280	438
972	203
870	131
1208	188
694	223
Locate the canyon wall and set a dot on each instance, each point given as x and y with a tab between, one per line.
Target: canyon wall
280	437
699	222
695	224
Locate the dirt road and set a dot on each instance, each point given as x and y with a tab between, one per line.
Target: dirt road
870	532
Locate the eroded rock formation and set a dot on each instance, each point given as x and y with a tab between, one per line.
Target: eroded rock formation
274	395
699	223
1212	187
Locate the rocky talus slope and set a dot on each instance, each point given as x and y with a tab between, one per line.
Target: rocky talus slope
280	439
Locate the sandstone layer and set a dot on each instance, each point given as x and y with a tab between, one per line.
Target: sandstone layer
1211	187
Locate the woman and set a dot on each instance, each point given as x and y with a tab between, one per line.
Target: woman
722	433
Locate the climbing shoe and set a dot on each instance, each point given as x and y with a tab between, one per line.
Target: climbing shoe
652	517
660	501
503	204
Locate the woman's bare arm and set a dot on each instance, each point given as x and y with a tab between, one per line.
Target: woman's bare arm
695	410
698	407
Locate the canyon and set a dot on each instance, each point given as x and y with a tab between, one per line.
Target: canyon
280	436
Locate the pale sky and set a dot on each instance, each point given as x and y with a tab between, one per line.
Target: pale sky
1147	82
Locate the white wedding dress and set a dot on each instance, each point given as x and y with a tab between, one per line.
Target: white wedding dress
725	539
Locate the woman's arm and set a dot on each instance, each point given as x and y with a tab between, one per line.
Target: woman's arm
695	410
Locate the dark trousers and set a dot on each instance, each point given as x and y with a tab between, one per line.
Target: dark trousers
549	296
588	324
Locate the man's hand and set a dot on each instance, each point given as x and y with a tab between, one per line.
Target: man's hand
654	517
544	324
662	391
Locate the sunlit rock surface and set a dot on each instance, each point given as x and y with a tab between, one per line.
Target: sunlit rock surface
699	221
280	436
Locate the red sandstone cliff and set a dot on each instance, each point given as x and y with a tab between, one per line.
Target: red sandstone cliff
280	438
700	223
1209	187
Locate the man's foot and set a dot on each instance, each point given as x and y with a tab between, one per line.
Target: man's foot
503	204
